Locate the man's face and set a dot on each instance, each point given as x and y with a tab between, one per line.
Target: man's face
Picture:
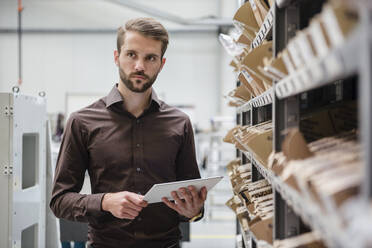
139	61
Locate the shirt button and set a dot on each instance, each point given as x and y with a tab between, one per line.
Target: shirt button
139	219
138	169
138	121
138	145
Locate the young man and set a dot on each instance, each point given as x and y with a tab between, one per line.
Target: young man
128	141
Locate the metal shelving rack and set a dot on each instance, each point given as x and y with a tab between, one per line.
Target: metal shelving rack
293	213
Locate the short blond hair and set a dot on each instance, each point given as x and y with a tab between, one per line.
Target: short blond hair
148	27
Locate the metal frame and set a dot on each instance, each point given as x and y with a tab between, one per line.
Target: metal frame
365	94
285	115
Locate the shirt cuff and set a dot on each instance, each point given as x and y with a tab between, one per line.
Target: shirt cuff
196	217
95	203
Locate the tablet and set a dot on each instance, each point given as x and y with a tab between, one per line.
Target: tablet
161	190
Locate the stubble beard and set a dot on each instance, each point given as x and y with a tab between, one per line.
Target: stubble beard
130	84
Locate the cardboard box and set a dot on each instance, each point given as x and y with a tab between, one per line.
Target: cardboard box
254	59
244	17
229	138
259	10
261	145
243	39
255	83
246	80
294	145
263	230
275	67
243	93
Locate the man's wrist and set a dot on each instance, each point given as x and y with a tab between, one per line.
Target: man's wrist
104	202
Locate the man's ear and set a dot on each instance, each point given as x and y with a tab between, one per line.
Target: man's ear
162	63
116	57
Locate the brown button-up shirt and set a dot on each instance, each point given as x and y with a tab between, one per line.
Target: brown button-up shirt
123	153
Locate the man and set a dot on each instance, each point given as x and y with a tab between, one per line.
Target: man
128	141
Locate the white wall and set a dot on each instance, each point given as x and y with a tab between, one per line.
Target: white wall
196	72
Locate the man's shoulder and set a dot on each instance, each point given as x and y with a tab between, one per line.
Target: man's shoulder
88	112
173	111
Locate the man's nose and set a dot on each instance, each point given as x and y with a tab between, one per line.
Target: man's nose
139	66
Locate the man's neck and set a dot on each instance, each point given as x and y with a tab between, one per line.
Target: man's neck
135	103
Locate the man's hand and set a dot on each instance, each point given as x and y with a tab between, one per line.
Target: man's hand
192	201
123	205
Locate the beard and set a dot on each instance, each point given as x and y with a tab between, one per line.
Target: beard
131	85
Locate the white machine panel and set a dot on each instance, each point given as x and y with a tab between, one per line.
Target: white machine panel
23	171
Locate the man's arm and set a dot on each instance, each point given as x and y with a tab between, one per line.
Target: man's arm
69	176
66	202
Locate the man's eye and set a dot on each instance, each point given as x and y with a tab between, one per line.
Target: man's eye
151	58
130	55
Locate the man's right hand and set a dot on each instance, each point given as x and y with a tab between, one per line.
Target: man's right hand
123	205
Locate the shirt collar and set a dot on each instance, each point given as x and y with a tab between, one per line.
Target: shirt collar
114	97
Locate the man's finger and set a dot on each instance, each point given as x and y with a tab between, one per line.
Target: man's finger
126	216
170	204
130	211
127	203
137	199
177	199
203	193
187	196
194	192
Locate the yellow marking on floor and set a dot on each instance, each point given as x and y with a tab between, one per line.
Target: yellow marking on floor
212	236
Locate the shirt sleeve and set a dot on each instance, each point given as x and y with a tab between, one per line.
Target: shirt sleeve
187	166
72	163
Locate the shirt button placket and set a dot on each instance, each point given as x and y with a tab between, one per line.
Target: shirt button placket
137	152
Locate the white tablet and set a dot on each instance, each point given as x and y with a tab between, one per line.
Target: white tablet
161	190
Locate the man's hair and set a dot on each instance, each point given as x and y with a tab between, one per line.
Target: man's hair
148	27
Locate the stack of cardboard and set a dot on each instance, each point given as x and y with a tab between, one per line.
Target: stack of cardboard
256	139
240	175
327	171
254	207
249	63
251	75
327	30
236	205
258	199
253	78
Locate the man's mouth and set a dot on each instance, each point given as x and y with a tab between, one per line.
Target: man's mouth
139	77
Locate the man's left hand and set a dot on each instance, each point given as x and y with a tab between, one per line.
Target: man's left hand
192	201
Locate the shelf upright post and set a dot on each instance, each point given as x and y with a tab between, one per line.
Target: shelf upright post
239	154
245	122
285	115
365	102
